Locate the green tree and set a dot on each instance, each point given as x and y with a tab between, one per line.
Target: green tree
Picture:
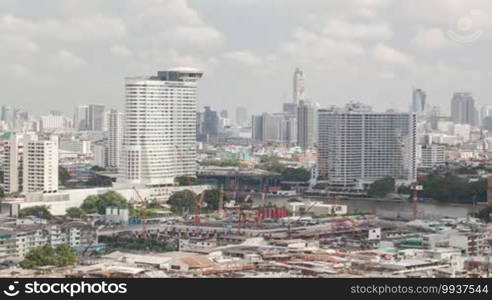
185	180
272	164
45	255
212	198
98	203
39	211
381	187
75	213
63	175
451	188
182	201
485	213
295	174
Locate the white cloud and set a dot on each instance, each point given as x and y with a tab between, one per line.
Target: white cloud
243	57
389	55
432	38
121	51
344	29
70	61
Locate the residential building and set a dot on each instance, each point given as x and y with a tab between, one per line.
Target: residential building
358	146
159	142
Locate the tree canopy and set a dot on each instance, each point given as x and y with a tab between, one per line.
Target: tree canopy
39	211
182	201
75	213
212	198
63	175
451	188
381	187
295	174
46	255
98	203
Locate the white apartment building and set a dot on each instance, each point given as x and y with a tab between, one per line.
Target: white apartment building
40	166
431	156
115	138
358	146
30	165
76	146
159	141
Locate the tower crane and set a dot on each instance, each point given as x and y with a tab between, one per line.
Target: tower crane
143	201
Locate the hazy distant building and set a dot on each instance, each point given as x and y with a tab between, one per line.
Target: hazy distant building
242	116
115	138
485	111
96	117
306	124
463	110
160	127
274	127
290	108
210	125
298	86
81	117
418	101
358	146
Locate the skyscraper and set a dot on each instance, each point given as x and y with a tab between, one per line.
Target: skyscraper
115	138
298	86
96	117
418	101
242	116
463	109
274	127
210	126
81	117
159	143
358	146
306	124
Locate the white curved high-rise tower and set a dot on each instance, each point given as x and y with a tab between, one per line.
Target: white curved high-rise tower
298	92
160	127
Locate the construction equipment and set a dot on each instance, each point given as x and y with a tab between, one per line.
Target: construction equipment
198	208
143	202
415	189
221	202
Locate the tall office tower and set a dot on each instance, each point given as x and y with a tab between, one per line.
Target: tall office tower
224	114
306	124
290	108
274	127
418	101
81	117
96	117
485	111
210	126
159	142
6	115
30	165
358	146
257	127
434	117
463	109
298	86
242	116
115	138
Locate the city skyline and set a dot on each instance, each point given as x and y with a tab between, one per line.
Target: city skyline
349	50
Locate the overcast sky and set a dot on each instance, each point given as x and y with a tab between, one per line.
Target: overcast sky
55	54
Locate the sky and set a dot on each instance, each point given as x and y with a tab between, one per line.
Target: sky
56	54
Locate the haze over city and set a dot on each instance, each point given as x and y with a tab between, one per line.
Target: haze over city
74	52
